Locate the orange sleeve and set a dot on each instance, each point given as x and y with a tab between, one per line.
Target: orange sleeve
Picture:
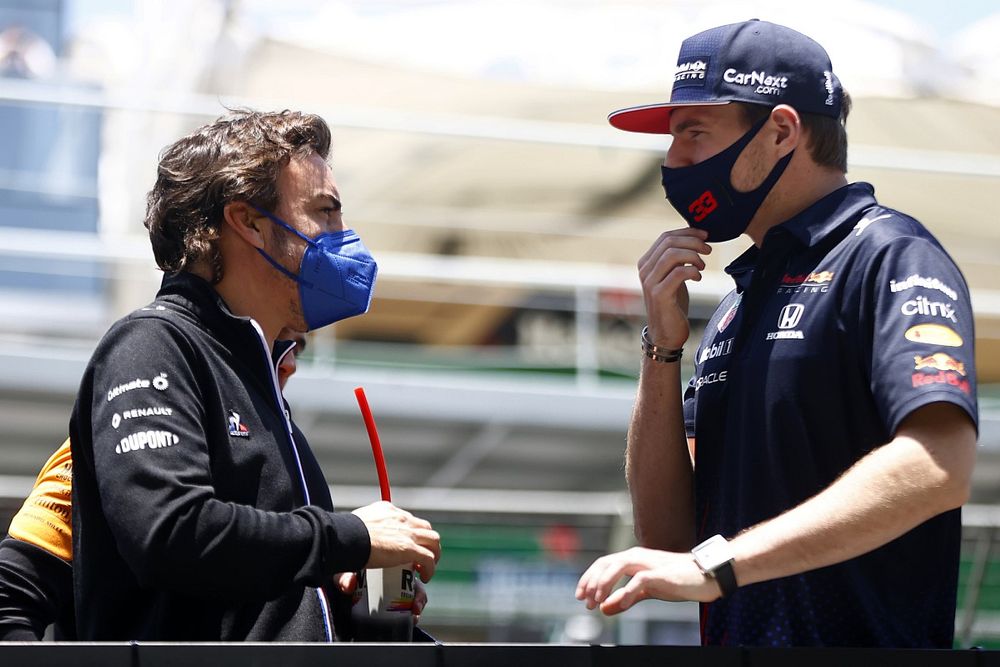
45	519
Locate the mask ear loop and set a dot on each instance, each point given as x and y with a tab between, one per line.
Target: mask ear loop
281	223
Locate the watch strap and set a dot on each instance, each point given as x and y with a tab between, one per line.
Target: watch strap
726	578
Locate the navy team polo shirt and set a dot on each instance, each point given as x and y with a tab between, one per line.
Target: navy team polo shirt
849	317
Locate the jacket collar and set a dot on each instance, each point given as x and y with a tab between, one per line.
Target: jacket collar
199	298
194	298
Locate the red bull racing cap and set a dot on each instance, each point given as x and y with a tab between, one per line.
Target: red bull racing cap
754	61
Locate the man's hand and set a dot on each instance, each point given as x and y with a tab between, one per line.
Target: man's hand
664	575
419	600
347	583
399	538
674	258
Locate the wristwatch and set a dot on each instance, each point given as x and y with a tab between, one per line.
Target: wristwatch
715	558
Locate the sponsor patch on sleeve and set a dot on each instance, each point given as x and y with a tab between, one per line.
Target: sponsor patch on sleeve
934	334
146	440
939	368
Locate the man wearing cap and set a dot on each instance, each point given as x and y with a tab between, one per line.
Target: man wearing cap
805	486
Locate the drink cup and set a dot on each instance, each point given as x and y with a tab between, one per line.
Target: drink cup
383	605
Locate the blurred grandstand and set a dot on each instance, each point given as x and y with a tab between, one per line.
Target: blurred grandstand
471	148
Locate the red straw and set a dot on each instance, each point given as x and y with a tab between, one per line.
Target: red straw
366	412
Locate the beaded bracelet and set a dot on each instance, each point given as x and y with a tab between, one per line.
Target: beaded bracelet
660	354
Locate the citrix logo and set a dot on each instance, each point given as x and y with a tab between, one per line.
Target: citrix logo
924	306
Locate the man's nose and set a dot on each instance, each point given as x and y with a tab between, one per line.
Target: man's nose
677	156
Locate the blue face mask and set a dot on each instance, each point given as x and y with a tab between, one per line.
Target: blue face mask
336	276
705	197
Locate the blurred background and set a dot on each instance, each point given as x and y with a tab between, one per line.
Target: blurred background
472	151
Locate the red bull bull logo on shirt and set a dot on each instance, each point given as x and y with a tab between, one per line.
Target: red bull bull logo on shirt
939	361
950	371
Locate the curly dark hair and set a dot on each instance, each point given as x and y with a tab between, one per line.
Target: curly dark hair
236	158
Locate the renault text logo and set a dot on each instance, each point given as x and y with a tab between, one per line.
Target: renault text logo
790	316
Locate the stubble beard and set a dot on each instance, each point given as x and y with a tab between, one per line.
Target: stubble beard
289	255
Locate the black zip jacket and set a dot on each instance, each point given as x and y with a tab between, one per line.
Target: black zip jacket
199	511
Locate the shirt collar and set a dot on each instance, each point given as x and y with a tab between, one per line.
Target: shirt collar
741	268
809	227
841	207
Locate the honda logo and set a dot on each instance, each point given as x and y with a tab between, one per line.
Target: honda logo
790	316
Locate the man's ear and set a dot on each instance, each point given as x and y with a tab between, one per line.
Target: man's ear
788	126
242	219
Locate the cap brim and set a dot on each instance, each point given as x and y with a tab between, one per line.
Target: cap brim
652	118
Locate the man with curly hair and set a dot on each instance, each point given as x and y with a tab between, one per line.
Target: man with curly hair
199	511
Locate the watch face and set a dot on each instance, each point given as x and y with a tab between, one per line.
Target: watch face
712	553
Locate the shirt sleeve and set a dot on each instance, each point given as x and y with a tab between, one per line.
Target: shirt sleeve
45	519
155	483
919	317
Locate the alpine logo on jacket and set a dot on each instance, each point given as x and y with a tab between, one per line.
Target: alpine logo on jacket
237	429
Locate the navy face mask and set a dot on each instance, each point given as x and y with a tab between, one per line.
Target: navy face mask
336	276
705	197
